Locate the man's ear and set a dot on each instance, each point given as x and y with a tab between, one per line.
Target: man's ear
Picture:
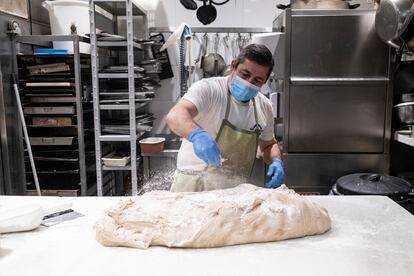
233	65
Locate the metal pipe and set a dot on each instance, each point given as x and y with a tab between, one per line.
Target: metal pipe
26	137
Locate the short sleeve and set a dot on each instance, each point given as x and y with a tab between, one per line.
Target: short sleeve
200	95
268	131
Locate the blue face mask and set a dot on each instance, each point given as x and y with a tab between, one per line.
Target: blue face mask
243	90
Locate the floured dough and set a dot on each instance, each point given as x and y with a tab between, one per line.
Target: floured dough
244	214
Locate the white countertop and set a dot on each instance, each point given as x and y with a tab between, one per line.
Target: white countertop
370	235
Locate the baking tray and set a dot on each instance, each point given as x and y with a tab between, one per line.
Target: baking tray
126	94
49	90
55	159
52	121
49	110
43	69
51	141
47	192
112	160
119	101
58	153
51	99
50	84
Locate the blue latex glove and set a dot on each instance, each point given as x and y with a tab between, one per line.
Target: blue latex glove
205	147
276	172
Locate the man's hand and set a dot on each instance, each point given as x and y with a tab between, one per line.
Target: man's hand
276	172
205	147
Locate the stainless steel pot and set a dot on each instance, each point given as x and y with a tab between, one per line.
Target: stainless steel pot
405	112
393	23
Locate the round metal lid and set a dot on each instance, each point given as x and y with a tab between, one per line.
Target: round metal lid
372	184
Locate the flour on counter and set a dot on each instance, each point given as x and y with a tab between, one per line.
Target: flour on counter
240	215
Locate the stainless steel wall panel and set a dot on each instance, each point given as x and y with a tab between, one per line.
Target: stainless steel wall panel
317	172
338	93
12	144
38	13
341	46
40	29
346	118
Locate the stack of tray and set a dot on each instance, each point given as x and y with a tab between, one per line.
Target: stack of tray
57	115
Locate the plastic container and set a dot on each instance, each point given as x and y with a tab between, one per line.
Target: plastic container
51	51
152	144
111	160
63	14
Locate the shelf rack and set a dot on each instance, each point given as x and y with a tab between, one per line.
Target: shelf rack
128	9
87	185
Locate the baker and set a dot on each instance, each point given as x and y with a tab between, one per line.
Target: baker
226	123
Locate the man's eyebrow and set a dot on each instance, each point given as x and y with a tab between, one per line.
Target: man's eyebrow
258	78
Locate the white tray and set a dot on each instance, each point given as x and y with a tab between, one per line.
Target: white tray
116	161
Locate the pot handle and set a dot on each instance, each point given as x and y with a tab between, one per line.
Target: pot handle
283	7
353	6
374	177
47	5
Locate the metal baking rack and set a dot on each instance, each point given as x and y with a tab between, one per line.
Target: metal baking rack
58	114
130	103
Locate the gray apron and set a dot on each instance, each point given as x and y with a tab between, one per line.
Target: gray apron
238	151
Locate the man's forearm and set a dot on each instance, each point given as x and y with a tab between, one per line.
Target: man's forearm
180	121
270	152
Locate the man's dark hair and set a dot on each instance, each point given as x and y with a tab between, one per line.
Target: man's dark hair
258	53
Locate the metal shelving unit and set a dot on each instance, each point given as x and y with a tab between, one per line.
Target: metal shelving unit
128	9
86	180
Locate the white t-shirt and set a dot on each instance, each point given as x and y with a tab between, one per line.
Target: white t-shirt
210	98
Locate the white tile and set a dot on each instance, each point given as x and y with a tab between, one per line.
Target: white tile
164	13
169	90
258	13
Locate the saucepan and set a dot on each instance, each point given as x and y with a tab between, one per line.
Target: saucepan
213	64
394	23
405	112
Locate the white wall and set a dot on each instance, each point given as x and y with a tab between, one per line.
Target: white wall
235	13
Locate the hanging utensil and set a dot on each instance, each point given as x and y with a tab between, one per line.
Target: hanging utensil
200	49
205	44
189	4
216	43
226	42
214	64
206	13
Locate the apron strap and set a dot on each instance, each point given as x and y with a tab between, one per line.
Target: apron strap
228	105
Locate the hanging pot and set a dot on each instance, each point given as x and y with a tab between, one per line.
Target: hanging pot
394	23
405	112
207	13
213	63
189	4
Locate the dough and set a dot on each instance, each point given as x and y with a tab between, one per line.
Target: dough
244	214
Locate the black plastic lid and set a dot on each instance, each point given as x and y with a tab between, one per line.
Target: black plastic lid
372	184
